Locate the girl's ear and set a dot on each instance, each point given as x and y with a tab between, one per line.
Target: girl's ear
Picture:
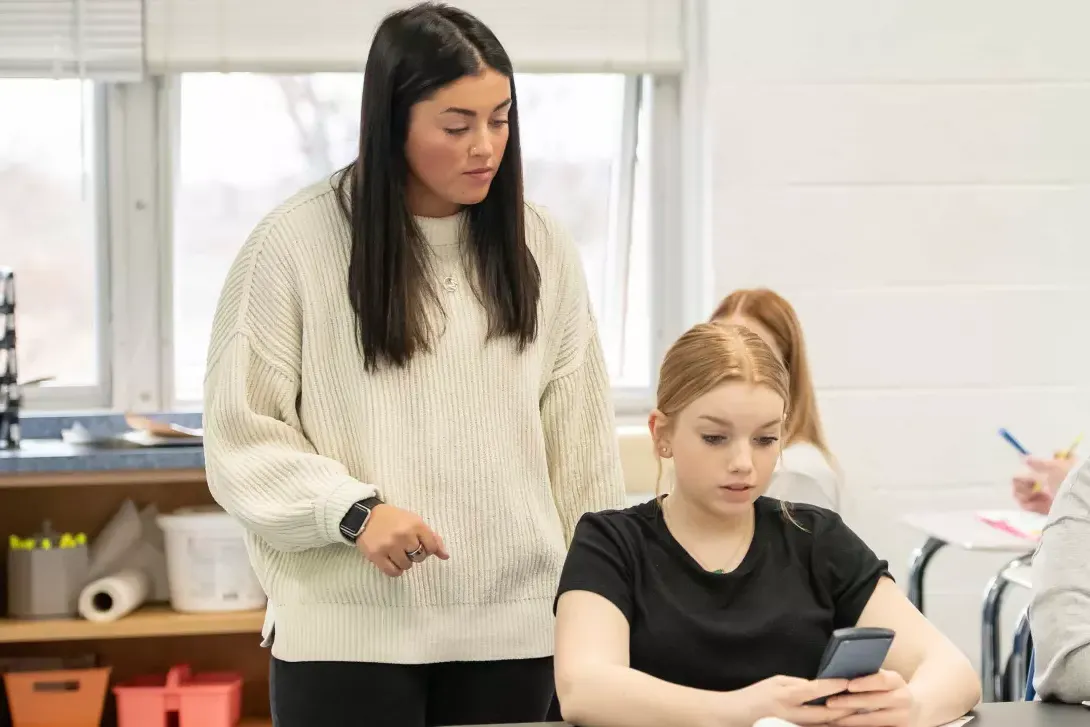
658	424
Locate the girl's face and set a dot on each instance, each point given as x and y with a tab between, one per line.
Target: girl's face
455	143
724	445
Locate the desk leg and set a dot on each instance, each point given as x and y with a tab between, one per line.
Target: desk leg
990	673
917	566
1019	663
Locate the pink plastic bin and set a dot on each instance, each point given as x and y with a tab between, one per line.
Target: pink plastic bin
201	700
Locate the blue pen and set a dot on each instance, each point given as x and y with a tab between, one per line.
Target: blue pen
1014	442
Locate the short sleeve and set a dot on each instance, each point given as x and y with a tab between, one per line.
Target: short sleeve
599	562
846	568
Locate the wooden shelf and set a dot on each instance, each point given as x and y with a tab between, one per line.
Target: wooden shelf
69	478
152	621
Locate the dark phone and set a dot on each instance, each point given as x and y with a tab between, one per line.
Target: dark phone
854	653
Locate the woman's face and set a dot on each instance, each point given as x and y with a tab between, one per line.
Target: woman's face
455	143
724	445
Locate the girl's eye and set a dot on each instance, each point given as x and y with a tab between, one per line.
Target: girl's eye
767	441
713	439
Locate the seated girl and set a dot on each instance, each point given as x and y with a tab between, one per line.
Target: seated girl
712	605
805	472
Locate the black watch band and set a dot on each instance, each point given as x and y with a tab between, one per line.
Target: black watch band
355	520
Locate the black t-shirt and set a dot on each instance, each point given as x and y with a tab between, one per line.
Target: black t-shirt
723	631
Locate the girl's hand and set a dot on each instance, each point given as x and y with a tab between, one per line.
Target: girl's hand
1035	486
782	697
879	700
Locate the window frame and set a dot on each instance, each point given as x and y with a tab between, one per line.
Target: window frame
98	395
139	139
622	198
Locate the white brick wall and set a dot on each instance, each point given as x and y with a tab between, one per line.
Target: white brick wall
913	175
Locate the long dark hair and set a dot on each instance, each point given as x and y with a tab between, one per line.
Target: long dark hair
416	52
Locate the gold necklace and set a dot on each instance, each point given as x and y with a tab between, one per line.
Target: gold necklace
748	537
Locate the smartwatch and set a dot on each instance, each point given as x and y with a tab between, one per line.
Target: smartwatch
353	523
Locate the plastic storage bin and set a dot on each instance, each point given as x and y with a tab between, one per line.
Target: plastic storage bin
37	663
45	574
207	565
199	700
70	698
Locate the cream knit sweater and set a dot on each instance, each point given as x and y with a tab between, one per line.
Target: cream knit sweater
499	452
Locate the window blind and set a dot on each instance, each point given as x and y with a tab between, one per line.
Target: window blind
631	36
98	39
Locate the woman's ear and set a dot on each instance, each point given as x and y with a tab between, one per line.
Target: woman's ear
660	434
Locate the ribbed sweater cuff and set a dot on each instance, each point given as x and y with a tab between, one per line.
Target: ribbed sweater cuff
334	506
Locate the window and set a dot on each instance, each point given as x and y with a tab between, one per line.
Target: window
248	141
49	233
581	160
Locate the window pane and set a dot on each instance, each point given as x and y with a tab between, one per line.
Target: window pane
635	362
49	225
249	141
572	151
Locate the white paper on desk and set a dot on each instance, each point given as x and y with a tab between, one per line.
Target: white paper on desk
1020	524
777	722
959	722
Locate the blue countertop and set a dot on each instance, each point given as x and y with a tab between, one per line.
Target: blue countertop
43	451
50	455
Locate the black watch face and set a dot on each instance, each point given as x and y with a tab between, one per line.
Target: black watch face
354	520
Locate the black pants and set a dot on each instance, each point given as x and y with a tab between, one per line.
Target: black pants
351	694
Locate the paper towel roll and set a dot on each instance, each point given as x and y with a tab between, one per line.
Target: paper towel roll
112	597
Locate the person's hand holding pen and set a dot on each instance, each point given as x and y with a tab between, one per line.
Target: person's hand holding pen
1035	486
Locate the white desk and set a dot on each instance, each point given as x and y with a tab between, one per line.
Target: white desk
964	529
961	529
1019	714
1020	574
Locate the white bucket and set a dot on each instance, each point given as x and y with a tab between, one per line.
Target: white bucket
207	565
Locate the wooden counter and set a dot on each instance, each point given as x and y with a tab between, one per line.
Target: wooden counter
83	478
150	621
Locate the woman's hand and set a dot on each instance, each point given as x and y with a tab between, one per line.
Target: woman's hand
1036	486
784	697
392	534
879	700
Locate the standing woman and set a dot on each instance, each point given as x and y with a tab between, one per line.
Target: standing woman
404	364
806	471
